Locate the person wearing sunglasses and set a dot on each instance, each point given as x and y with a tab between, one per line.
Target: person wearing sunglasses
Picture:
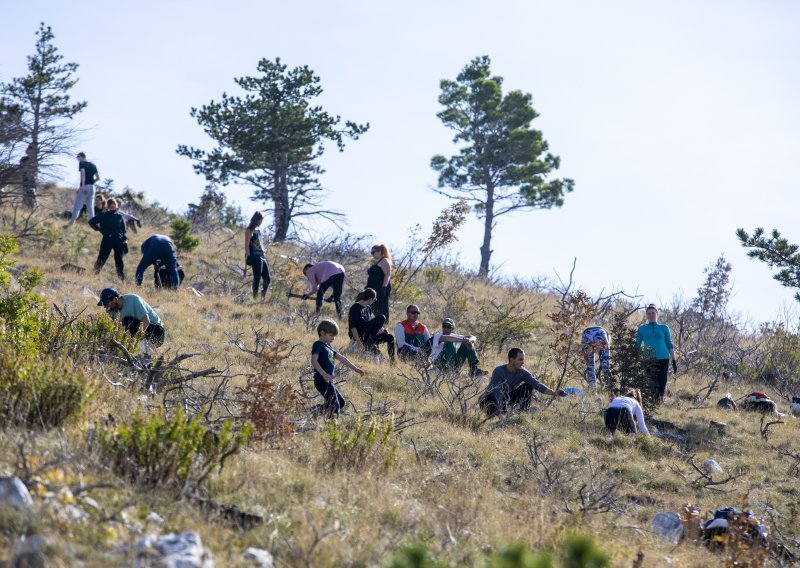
450	350
411	336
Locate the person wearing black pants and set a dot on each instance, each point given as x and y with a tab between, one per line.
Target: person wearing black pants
323	275
659	375
254	255
367	329
378	278
112	226
511	387
625	414
656	340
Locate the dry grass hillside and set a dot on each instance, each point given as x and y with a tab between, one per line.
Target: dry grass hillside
330	495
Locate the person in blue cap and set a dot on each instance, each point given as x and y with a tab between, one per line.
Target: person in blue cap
135	314
159	248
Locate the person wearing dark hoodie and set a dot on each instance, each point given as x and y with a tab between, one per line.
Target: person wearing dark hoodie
159	248
112	226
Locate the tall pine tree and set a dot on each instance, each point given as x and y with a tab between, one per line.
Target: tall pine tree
503	165
270	140
42	102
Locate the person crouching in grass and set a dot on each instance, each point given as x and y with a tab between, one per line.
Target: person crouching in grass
322	360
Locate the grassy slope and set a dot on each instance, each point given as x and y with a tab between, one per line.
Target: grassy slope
461	489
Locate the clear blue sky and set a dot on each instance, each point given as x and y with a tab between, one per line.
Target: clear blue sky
678	120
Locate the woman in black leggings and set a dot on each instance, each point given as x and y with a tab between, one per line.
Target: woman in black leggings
255	256
378	278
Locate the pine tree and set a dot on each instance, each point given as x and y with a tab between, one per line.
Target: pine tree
41	100
777	252
503	164
270	140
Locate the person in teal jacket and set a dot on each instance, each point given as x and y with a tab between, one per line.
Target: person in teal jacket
657	343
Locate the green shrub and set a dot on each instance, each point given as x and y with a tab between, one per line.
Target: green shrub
39	391
176	452
414	556
358	444
580	551
84	336
181	235
21	310
518	556
15	523
629	364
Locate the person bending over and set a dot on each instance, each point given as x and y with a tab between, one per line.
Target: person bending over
449	350
367	329
323	358
323	275
135	314
411	336
625	413
161	248
511	386
595	340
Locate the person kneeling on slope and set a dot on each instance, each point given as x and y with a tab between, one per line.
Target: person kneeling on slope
622	411
161	248
449	350
511	386
135	314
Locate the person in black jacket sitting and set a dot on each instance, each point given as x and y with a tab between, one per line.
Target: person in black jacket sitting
365	328
112	226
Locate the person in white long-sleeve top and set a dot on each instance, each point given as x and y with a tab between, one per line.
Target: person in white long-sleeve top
625	413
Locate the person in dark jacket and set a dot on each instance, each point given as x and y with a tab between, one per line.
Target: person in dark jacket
159	247
365	328
111	225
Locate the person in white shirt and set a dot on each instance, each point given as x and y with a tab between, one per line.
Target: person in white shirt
625	413
449	350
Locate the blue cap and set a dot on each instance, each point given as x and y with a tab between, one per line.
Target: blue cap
106	296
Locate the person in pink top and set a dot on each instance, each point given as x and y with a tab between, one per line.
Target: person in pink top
323	275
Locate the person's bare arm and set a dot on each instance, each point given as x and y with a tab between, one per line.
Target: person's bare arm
387	271
83	178
247	236
357	337
347	363
145	323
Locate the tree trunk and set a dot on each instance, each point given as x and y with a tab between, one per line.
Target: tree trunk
488	225
281	200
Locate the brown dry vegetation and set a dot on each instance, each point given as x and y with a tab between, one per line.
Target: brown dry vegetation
459	484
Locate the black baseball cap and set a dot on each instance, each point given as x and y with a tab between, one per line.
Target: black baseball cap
107	295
